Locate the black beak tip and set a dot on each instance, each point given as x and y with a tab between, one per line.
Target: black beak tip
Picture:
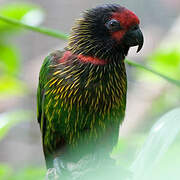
139	48
140	41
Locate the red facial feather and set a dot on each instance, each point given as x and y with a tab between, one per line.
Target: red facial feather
127	19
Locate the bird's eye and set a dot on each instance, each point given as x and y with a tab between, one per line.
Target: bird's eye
113	25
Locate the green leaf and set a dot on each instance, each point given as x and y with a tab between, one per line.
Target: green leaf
8	120
154	72
165	61
9	59
160	139
20	11
125	150
30	173
5	171
168	166
10	86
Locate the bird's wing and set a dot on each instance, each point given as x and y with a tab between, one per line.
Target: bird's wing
44	76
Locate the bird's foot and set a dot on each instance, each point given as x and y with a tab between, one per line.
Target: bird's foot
52	174
58	172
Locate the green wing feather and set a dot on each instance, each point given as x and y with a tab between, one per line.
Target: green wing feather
44	77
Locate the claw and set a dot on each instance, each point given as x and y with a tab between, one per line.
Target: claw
59	171
52	174
58	166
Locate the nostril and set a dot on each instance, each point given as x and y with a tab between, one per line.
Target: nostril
135	28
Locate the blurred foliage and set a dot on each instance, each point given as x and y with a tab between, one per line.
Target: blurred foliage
158	156
155	156
10	59
164	60
162	135
18	11
10	84
28	173
5	171
10	119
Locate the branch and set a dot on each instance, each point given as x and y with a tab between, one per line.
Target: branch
41	30
172	81
58	34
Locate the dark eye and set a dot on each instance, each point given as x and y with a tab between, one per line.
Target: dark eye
113	25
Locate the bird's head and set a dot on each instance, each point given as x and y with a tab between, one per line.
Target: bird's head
105	32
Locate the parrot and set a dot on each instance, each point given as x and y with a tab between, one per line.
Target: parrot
81	95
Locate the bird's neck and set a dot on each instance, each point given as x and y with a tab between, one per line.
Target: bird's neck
114	60
95	48
107	56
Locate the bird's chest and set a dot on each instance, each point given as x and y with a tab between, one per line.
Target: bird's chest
86	101
103	97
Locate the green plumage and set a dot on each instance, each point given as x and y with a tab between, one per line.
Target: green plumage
80	104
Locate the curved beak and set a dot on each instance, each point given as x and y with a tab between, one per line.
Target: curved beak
134	38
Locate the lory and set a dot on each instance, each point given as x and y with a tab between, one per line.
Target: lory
82	89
